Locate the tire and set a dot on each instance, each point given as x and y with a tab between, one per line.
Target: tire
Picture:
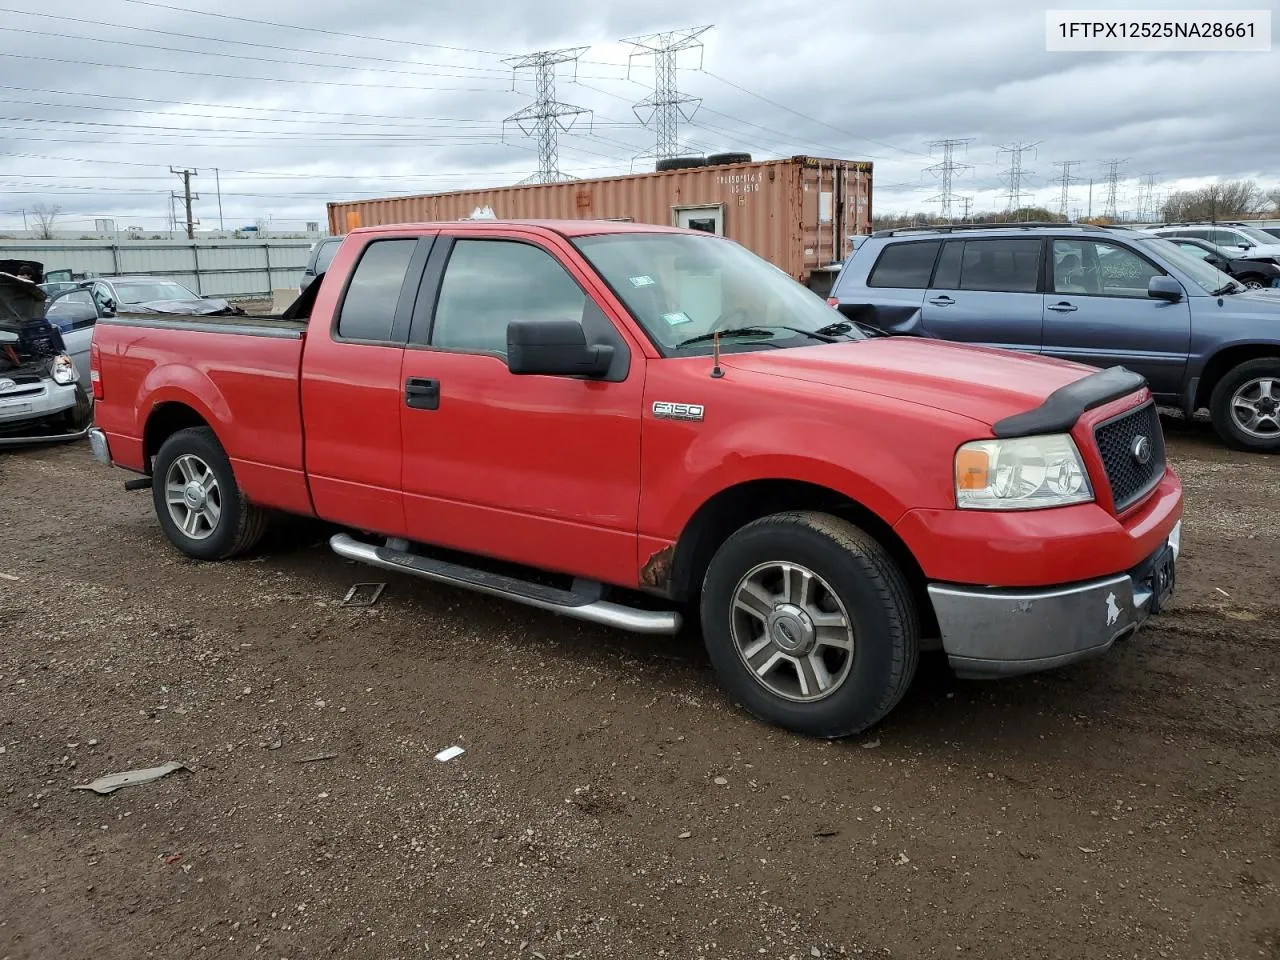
190	456
850	570
680	163
1253	281
1254	384
80	416
720	159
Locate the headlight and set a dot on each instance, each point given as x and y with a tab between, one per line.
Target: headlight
1021	474
63	370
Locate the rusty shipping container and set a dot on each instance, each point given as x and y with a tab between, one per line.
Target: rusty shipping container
797	213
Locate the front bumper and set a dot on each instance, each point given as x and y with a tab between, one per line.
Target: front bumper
35	402
1000	633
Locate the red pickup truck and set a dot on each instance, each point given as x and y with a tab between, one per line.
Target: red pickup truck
626	423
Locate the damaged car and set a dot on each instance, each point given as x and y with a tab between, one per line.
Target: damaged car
42	396
156	295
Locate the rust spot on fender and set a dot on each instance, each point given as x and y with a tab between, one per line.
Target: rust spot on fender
657	569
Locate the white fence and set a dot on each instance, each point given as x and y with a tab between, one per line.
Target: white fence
221	268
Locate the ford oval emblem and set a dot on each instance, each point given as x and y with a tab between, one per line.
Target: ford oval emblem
1141	450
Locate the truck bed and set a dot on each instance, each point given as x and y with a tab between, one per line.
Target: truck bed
249	392
251	326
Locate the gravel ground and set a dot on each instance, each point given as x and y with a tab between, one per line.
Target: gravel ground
610	803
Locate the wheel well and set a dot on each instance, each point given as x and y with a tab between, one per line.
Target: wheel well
166	420
1228	359
731	509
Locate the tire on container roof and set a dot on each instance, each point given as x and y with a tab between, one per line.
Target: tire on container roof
720	159
680	163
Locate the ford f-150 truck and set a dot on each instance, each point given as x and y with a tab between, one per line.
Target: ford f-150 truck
627	424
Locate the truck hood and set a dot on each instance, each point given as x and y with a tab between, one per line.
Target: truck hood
984	384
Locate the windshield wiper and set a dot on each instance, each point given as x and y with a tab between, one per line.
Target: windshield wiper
758	332
730	332
844	326
1231	287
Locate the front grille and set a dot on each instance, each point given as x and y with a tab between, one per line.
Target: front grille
1117	439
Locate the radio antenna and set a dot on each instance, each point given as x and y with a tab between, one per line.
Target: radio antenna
715	355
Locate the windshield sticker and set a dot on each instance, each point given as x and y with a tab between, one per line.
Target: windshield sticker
643	281
675	319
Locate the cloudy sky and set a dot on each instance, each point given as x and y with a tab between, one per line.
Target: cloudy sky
296	103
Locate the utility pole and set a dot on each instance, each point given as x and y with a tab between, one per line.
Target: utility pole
1064	198
946	170
1113	183
185	176
966	203
1017	173
666	106
545	118
218	181
1090	216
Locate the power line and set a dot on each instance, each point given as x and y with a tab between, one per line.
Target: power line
1017	173
666	105
185	11
545	118
1113	182
805	116
236	76
1064	198
946	170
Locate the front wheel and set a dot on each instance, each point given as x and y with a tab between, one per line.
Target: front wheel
809	624
197	501
1246	405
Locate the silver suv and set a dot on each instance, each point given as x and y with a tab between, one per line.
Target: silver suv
1254	243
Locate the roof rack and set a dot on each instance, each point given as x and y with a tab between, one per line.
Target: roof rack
1202	223
1011	225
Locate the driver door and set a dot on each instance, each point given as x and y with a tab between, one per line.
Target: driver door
539	470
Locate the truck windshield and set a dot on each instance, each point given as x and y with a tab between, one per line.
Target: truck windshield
1207	277
140	292
682	288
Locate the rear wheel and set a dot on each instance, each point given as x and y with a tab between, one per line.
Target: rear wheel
1253	281
1246	405
809	623
197	501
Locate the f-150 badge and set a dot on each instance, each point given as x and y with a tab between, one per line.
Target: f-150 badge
665	410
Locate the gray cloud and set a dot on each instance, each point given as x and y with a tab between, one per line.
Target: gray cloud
292	118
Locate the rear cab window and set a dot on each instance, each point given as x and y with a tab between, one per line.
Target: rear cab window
368	308
905	266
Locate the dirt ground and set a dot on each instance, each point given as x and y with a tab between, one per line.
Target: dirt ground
610	802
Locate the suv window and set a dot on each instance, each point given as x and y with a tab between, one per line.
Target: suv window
325	254
369	306
994	266
1229	239
905	265
1096	268
489	283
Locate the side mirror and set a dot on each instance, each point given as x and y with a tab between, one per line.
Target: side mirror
554	348
109	307
1164	288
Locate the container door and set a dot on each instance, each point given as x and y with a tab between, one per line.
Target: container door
709	219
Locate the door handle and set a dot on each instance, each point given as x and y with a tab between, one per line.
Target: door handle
1063	307
422	393
943	301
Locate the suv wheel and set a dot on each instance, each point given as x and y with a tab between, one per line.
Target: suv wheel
197	501
809	624
1246	405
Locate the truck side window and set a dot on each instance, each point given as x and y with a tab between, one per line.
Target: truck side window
906	266
489	283
369	306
